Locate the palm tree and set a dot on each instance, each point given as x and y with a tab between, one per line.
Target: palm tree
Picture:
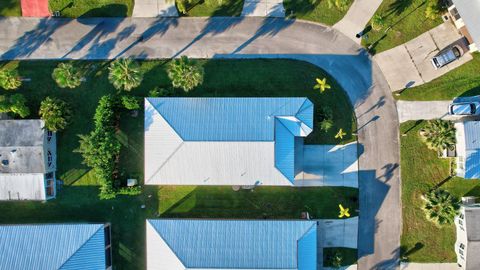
9	79
185	73
377	22
322	85
125	74
432	11
440	207
341	5
56	113
67	76
439	134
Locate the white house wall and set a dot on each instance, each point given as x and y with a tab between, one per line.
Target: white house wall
22	186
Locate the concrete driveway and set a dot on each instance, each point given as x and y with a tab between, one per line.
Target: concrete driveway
422	110
263	8
409	64
154	8
330	165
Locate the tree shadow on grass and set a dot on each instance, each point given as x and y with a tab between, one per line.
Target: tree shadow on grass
296	8
111	10
472	92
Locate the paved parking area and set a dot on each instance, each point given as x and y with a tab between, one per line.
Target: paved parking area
330	165
154	8
263	8
409	64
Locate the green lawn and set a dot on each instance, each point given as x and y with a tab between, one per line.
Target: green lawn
349	256
313	10
10	8
421	170
407	21
462	81
92	8
209	8
78	201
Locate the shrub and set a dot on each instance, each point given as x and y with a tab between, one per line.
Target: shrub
130	102
341	5
185	73
125	74
161	92
9	79
67	76
440	207
439	134
16	104
377	22
433	10
56	113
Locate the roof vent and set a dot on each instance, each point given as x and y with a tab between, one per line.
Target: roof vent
5	162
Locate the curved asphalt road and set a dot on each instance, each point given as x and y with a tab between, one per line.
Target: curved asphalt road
380	205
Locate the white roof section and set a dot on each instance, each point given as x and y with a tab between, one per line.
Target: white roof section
469	11
19	186
228	163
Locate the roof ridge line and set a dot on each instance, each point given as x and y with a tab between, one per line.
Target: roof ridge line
81	246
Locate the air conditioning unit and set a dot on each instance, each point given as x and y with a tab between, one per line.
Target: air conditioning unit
468	200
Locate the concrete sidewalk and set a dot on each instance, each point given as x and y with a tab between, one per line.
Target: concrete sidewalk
429	266
422	110
410	64
263	8
154	8
357	18
336	233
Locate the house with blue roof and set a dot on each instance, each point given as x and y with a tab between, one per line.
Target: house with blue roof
225	141
468	149
176	244
55	246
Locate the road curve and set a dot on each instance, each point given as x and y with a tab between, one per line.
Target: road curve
97	38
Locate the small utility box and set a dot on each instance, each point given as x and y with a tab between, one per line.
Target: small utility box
131	182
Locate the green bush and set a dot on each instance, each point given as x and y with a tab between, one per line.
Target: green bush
130	102
377	22
440	207
56	113
67	76
185	73
9	79
16	104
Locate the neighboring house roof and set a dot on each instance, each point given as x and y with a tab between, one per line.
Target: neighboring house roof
21	144
224	141
469	10
231	244
472	227
53	246
472	149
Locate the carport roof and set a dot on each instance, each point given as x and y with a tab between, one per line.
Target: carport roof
469	11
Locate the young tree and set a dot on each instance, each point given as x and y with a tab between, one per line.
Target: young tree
56	113
185	73
9	79
16	104
326	124
377	22
439	134
440	207
125	74
341	5
67	76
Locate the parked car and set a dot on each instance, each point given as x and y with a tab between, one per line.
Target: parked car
464	108
446	56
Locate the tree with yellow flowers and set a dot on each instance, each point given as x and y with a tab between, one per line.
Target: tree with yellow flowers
322	85
340	134
343	211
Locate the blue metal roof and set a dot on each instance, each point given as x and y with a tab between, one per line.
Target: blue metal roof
230	119
243	244
59	246
472	164
472	134
284	151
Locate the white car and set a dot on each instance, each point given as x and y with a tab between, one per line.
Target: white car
446	56
464	108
